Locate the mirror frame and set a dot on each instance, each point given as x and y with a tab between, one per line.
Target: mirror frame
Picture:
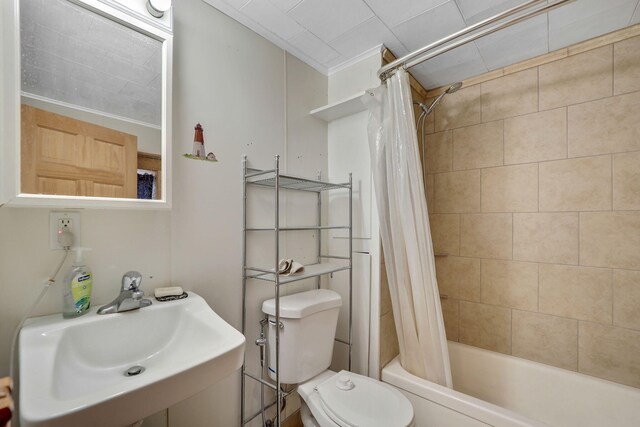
10	94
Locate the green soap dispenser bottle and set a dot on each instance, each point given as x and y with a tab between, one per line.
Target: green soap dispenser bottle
77	288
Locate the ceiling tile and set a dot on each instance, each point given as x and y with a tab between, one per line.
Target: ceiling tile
430	26
475	11
366	36
586	19
394	12
329	19
285	5
237	4
314	47
519	42
272	19
456	65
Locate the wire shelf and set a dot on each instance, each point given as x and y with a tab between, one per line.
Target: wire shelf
290	182
311	270
301	228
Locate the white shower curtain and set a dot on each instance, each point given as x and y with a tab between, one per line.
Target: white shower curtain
405	233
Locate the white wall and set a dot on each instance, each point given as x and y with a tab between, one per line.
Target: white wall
251	99
121	241
239	87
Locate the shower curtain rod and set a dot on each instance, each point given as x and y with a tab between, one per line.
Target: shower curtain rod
424	53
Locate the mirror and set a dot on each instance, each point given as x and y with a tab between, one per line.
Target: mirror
92	87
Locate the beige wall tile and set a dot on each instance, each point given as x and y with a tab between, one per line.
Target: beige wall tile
546	237
486	235
485	326
511	95
576	184
388	339
439	152
546	339
609	352
458	109
582	293
430	190
626	298
576	79
536	137
451	314
626	66
459	277
610	239
445	233
457	192
510	189
605	126
478	146
510	284
626	181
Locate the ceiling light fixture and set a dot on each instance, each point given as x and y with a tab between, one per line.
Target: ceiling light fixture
157	8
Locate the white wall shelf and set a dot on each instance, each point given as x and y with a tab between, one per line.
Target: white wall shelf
342	108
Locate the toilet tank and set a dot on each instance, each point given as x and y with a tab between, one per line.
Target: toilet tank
308	330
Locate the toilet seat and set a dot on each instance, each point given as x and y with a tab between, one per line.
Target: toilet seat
350	400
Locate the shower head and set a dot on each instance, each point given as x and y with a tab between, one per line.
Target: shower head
451	89
454	87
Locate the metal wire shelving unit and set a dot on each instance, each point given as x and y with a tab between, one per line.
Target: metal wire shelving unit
326	264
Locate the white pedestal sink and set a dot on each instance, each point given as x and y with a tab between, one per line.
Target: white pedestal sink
73	371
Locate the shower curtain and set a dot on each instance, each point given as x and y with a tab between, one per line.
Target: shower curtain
405	233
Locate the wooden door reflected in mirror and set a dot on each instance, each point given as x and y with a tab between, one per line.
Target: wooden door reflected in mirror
65	156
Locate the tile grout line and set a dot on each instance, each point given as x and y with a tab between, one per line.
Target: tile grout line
511	331
566	124
541	161
612	178
613	68
613	306
538	302
538	210
579	242
578	346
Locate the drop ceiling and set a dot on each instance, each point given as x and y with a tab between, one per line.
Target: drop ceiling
328	34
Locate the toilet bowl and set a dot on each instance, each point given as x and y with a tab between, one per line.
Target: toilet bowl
346	399
307	330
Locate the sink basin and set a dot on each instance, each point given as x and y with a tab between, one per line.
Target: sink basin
73	372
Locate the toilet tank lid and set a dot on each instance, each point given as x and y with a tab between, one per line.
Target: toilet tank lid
303	304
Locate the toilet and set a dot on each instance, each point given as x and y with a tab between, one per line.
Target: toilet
308	323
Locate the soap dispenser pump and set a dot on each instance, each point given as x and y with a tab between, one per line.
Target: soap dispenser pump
77	287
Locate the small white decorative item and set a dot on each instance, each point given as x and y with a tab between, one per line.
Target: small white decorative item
212	157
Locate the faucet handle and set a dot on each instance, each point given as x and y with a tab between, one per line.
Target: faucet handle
131	281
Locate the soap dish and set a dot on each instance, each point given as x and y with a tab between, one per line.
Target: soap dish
172	297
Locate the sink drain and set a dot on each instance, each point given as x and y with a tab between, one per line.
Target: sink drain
133	371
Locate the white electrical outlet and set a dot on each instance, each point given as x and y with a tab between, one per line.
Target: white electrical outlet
59	220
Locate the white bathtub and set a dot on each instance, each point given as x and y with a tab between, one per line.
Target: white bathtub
500	390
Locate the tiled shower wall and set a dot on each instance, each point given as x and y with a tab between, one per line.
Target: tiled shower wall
533	185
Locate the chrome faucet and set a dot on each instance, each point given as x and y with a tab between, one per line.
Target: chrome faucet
130	298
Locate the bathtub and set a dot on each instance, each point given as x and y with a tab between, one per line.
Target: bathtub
500	390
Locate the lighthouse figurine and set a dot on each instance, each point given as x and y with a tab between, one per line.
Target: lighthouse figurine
198	142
